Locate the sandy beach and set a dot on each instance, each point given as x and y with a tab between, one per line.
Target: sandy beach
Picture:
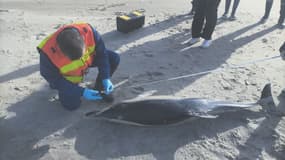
34	125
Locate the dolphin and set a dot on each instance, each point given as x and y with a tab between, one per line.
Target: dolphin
157	112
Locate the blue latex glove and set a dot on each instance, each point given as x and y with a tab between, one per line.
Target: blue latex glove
91	94
108	86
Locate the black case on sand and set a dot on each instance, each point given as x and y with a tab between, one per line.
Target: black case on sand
129	22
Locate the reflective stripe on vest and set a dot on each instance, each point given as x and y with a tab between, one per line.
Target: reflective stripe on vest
78	63
74	79
43	42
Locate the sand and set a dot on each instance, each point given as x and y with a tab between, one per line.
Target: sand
33	124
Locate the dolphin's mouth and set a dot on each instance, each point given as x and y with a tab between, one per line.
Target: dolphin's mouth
121	121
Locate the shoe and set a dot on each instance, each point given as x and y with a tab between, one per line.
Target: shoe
281	25
206	43
224	17
263	20
193	41
232	18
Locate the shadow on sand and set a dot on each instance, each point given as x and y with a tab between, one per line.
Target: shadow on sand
35	118
264	137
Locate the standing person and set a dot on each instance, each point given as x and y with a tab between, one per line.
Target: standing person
65	57
194	5
227	7
206	11
268	7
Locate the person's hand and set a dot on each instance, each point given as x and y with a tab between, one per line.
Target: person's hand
91	94
282	51
108	86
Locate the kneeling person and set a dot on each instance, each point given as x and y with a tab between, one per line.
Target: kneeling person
65	57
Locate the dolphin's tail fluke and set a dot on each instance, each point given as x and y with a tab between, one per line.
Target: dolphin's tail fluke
266	98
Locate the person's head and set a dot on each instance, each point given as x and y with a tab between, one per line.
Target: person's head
71	43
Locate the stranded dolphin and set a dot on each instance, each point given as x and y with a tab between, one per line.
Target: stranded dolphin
153	112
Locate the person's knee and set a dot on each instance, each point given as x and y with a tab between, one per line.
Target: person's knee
117	59
69	102
114	58
70	107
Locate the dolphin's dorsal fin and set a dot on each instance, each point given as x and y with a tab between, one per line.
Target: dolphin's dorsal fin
266	91
266	96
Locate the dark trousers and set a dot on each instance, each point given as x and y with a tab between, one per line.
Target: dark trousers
194	5
227	7
268	7
114	61
206	11
282	12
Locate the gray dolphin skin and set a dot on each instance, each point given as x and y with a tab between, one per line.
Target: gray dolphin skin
156	112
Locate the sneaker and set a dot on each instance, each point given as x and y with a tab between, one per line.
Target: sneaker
193	41
232	18
224	17
206	43
281	25
263	20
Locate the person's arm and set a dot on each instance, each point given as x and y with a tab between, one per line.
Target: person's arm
50	72
101	57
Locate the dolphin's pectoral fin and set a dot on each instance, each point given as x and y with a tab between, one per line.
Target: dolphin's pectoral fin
208	116
203	115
